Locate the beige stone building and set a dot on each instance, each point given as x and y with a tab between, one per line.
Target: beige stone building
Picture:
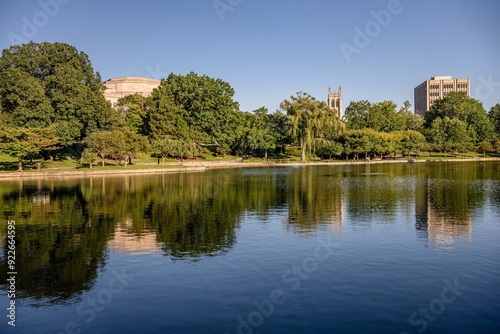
120	87
429	91
335	101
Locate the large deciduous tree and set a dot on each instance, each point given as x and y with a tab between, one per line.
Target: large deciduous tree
494	116
260	134
22	142
309	120
52	83
133	111
199	108
457	105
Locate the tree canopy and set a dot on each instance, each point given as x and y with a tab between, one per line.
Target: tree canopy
52	103
52	83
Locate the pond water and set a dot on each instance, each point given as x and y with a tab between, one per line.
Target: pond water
395	248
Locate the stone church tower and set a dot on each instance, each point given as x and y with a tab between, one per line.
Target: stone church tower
335	101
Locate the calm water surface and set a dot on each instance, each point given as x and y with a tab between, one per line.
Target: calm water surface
394	248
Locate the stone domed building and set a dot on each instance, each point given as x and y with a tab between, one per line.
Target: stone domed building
120	87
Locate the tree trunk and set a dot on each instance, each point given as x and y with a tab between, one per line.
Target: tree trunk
20	164
265	155
303	155
90	165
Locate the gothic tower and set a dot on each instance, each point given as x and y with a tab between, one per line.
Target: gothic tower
335	101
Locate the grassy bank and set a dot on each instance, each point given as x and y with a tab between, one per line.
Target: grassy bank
144	164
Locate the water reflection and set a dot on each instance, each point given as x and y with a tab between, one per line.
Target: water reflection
132	243
446	200
65	228
59	250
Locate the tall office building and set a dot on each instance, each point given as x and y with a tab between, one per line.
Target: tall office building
429	91
335	101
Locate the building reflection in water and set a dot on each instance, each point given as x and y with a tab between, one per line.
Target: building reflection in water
441	221
131	243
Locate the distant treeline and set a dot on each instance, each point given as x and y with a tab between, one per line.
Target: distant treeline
52	104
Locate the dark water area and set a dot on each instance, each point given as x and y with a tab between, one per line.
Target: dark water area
396	248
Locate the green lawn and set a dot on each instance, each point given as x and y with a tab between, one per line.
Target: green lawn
145	161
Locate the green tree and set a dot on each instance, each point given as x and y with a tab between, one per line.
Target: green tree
330	148
21	142
485	147
497	146
308	119
453	105
15	142
105	143
88	157
438	135
133	143
162	148
205	104
494	116
382	116
450	135
53	83
23	99
457	105
479	126
133	109
356	114
279	128
411	141
166	119
358	142
458	138
412	121
261	135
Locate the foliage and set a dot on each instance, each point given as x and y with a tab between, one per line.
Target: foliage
457	105
411	141
116	144
309	120
494	116
201	107
133	110
88	157
450	135
380	116
21	142
485	147
52	83
412	121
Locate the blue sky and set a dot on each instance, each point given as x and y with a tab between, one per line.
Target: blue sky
268	50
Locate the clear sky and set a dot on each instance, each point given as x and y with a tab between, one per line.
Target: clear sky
268	50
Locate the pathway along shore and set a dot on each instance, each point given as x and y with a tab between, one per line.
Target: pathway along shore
201	166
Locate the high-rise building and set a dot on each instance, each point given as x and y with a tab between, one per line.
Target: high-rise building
335	101
429	91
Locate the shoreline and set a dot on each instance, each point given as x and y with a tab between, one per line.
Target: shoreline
200	166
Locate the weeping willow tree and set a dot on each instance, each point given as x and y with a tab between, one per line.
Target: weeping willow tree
310	121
